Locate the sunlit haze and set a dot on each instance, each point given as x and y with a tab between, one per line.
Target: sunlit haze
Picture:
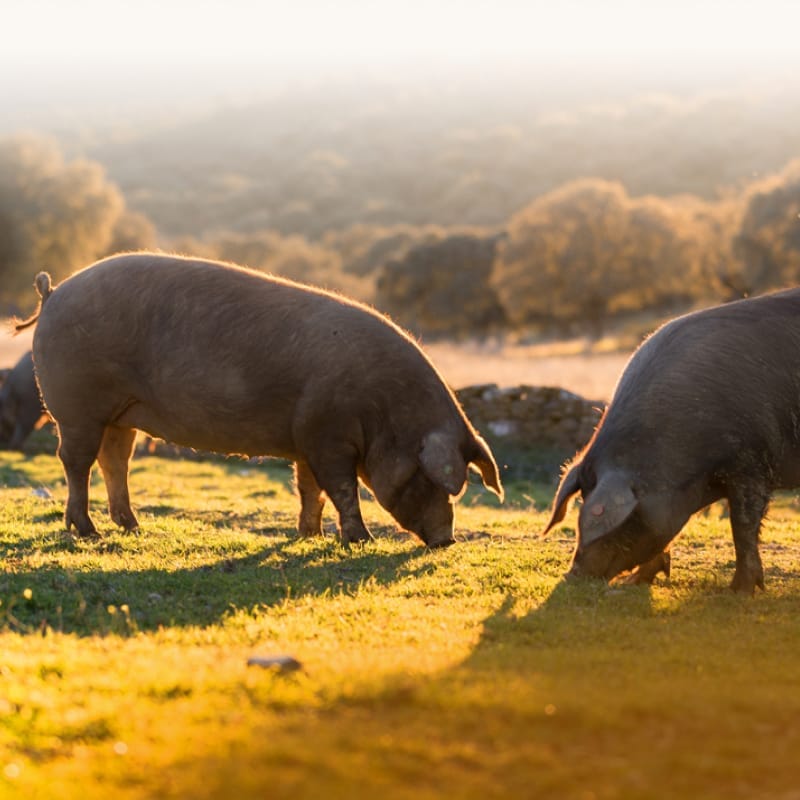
308	35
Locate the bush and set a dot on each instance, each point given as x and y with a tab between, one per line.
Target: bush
56	215
291	257
588	251
443	288
767	244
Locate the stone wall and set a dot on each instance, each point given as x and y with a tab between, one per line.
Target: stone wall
528	425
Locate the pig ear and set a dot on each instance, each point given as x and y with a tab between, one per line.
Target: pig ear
483	460
442	462
607	506
569	486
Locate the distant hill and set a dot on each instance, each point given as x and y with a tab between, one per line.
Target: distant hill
319	158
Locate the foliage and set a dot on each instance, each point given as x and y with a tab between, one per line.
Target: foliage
768	241
443	287
469	672
56	215
364	249
327	156
291	257
588	251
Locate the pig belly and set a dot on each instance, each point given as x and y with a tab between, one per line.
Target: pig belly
251	436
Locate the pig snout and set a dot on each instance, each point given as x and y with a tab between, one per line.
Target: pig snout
436	526
614	554
439	538
582	568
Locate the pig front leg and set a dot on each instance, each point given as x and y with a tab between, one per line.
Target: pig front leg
646	573
336	475
312	500
748	504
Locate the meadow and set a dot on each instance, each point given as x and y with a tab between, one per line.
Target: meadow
469	672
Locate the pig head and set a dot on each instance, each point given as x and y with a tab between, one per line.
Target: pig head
416	487
618	530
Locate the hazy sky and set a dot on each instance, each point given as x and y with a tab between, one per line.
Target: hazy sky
323	34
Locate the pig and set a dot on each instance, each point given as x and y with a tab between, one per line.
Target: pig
21	409
707	408
218	357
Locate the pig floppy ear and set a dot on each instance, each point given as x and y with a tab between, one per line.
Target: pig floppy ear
483	460
569	486
442	461
607	506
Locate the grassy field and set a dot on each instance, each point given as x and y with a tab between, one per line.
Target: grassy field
469	672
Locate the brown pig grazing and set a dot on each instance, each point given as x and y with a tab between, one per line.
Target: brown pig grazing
707	408
221	358
21	410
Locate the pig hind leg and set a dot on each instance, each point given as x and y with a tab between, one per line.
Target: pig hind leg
312	500
748	504
114	457
336	475
77	448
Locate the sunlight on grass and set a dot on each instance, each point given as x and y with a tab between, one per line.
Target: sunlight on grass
468	672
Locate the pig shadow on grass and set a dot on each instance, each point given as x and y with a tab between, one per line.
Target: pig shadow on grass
573	614
589	619
86	601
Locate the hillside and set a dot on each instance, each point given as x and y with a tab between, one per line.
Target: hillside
313	158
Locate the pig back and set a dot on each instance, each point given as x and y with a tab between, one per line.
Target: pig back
712	388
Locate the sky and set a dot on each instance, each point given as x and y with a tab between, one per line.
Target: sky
318	35
70	62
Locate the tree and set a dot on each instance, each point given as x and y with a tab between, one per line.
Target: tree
767	244
588	251
443	287
132	231
291	257
54	214
364	249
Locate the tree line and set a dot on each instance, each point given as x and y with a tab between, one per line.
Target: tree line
572	260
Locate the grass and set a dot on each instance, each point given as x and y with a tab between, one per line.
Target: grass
469	672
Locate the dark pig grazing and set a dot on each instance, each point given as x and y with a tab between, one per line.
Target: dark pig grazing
221	358
707	408
21	410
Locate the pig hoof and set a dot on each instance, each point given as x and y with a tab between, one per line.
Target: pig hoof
85	530
86	533
357	538
307	531
127	522
746	584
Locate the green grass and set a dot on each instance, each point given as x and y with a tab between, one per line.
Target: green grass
469	672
